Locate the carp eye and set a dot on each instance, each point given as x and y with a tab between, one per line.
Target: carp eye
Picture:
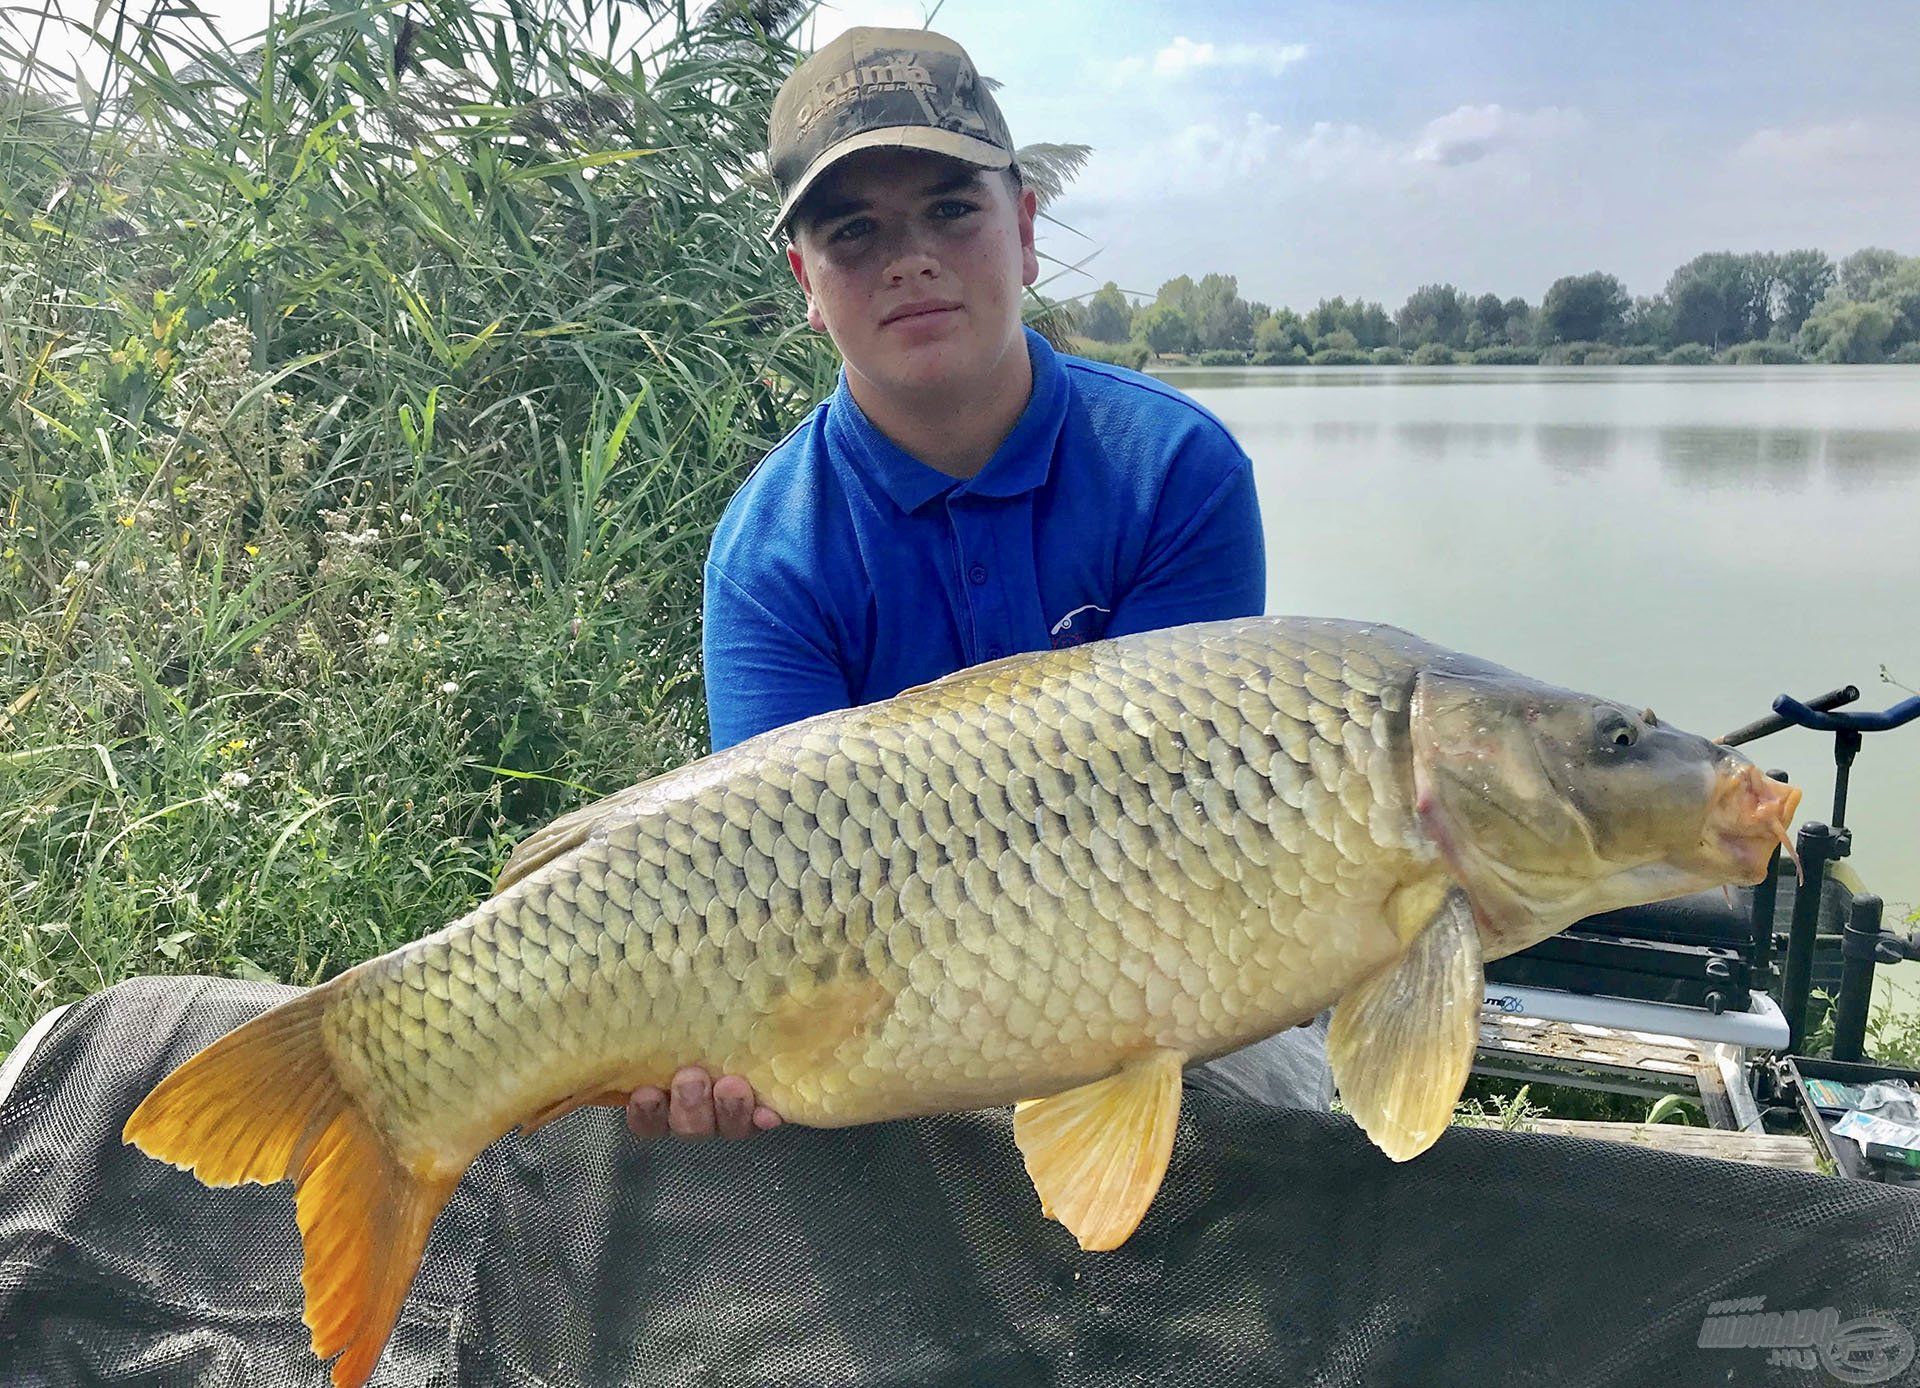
1615	730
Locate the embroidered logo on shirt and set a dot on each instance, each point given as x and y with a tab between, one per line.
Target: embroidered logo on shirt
1074	628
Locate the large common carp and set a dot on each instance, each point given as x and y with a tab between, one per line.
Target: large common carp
1055	879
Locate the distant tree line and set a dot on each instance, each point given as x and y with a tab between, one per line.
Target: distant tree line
1758	306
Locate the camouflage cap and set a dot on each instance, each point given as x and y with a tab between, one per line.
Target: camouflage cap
904	88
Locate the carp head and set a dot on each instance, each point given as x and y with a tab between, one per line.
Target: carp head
1551	805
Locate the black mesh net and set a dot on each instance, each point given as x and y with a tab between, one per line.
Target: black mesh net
1283	1249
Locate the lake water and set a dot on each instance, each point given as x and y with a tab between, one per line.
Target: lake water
1693	539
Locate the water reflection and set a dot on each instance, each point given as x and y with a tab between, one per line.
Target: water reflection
1575	448
1782	460
1709	456
1334	433
1866	458
1432	440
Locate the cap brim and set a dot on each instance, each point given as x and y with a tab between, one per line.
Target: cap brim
951	143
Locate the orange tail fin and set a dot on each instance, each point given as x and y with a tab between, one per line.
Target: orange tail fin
263	1104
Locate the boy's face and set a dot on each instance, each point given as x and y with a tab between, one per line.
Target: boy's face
890	232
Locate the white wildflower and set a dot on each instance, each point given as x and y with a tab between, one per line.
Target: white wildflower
236	780
450	687
381	638
82	567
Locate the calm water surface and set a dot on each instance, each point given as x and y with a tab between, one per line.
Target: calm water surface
1696	540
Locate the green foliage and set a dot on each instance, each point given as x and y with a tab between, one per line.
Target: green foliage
1861	273
1388	356
1364	322
1801	280
1584	308
1163	328
1506	356
1222	320
1223	358
1132	355
1842	330
1689	354
1515	1112
1577	354
1723	297
1648	323
1672	1108
1281	333
1899	293
1893	1026
1340	356
1720	300
1907	355
1761	354
1216	317
1108	317
1433	354
1432	313
363	437
1495	1093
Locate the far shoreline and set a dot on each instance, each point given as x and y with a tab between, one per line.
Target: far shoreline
1136	357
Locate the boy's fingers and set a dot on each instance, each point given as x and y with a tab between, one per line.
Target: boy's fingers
733	1106
647	1112
690	1113
695	1106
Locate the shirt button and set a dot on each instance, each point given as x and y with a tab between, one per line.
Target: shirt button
977	574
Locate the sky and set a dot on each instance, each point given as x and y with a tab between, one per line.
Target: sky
1366	147
1315	148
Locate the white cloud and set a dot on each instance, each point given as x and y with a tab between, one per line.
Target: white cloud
1814	145
1184	57
1468	134
1235	155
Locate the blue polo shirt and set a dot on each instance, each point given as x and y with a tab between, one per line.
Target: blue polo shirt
846	570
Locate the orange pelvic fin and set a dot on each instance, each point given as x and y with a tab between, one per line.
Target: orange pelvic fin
1097	1154
263	1104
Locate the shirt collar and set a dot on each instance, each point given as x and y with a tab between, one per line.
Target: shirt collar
1021	463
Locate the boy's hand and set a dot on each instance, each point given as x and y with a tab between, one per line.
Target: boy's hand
699	1107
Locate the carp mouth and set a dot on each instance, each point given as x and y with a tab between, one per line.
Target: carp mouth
1748	818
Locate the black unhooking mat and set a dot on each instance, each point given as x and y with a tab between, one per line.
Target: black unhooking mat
1283	1249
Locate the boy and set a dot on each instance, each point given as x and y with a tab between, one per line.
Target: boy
966	492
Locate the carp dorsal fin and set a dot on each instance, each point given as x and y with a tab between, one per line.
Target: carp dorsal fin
985	667
1097	1153
565	834
1402	1043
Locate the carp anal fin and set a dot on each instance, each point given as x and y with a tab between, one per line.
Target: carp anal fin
1097	1154
1402	1043
263	1104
